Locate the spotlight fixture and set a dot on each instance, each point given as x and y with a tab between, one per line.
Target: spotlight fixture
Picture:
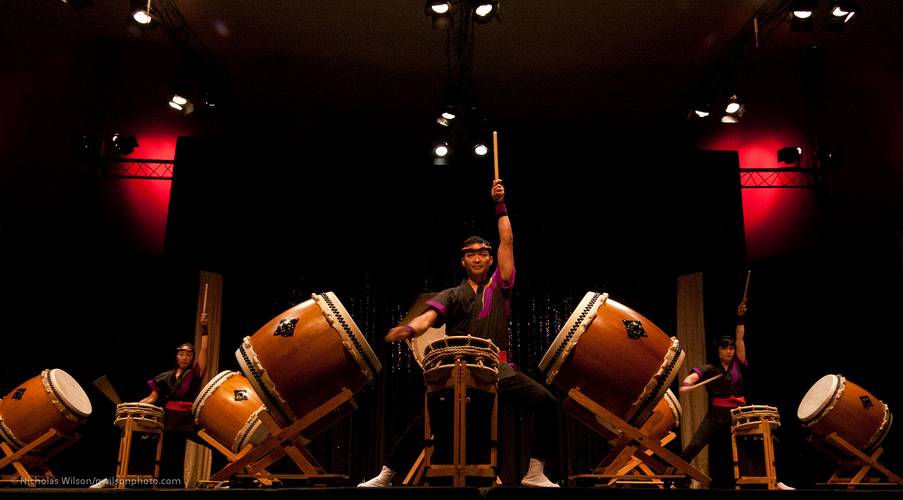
140	12
485	10
182	104
790	155
441	150
437	7
447	116
842	11
121	145
802	15
480	150
733	110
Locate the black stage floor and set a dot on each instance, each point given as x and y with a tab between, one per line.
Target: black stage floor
499	493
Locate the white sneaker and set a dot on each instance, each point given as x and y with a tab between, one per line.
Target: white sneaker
382	480
103	483
535	477
782	486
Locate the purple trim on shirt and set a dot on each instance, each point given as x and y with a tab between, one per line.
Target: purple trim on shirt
488	292
697	371
153	385
437	306
186	383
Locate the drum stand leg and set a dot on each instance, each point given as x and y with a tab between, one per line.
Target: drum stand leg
858	461
35	455
459	470
283	441
763	429
632	442
125	452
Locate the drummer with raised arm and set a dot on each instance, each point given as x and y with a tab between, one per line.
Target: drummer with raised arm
480	306
175	391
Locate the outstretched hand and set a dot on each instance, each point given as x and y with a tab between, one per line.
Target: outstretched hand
498	191
399	333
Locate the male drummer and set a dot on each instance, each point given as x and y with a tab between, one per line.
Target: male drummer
175	390
725	393
480	306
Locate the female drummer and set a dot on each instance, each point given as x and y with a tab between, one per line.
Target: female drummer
480	306
175	391
725	391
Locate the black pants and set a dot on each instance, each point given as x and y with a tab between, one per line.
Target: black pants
518	391
715	431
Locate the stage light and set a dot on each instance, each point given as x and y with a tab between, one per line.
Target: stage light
842	11
181	101
437	7
122	144
485	10
790	155
480	150
140	12
174	105
733	110
441	150
802	15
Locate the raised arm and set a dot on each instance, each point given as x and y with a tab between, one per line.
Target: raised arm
739	343
416	327
200	362
506	236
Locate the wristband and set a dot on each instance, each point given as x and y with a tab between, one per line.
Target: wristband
500	210
739	320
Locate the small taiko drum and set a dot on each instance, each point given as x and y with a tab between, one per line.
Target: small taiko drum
305	356
834	404
480	356
51	400
614	356
228	409
744	417
145	415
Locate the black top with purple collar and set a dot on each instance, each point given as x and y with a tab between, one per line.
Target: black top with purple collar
727	391
176	395
483	313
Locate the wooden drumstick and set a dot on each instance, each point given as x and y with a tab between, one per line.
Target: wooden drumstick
495	153
204	307
746	286
104	386
700	384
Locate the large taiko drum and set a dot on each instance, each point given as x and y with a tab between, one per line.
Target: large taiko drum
305	356
228	409
51	400
614	356
834	404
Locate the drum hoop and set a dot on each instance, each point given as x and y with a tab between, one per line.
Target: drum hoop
61	405
208	390
7	434
838	393
674	405
882	431
762	413
248	430
575	326
263	386
488	350
663	378
337	316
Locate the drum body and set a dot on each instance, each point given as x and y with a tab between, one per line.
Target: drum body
306	356
480	355
51	400
665	416
228	409
834	404
144	414
614	356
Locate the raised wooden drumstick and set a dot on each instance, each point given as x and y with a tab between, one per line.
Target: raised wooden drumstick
104	386
495	153
700	384
746	286
204	307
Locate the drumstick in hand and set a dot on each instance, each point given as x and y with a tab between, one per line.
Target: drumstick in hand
495	154
746	286
103	384
686	388
204	307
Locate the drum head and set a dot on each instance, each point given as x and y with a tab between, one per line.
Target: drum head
71	394
819	396
419	343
